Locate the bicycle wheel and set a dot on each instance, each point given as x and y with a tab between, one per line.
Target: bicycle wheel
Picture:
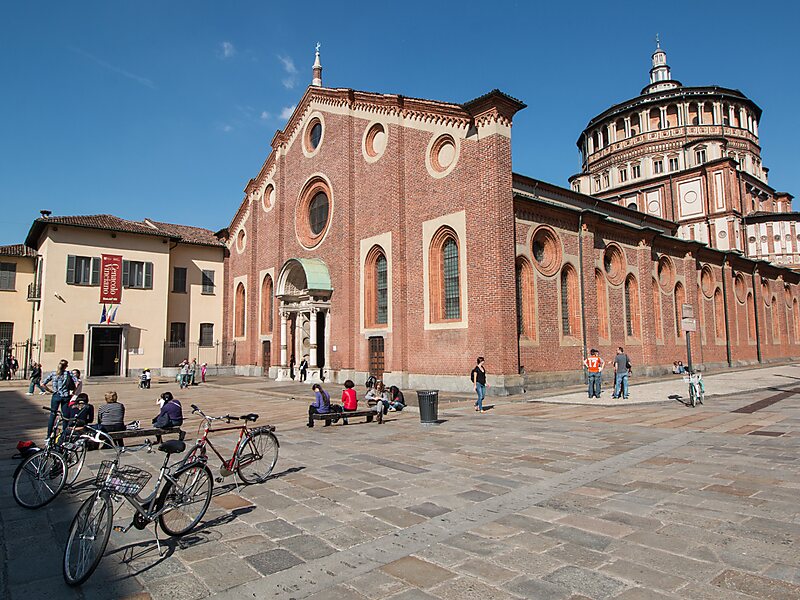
701	395
257	456
88	538
75	456
39	478
186	500
692	395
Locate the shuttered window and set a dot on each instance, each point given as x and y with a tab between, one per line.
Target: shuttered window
206	334
8	276
208	282
137	274
179	280
83	270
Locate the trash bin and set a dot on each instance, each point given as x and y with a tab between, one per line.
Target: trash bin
428	401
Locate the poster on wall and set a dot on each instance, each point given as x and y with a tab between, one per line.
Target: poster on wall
110	279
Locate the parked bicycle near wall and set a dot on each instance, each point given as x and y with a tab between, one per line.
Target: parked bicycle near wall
40	477
697	391
179	500
256	450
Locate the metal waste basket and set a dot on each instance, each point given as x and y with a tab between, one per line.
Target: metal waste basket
428	401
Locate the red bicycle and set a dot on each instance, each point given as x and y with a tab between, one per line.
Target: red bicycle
256	450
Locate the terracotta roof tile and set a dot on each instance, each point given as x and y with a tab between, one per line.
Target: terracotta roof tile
17	250
188	234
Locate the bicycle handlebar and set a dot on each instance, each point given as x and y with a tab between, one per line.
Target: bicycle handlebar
226	418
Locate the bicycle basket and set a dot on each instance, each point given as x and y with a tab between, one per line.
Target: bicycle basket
693	378
126	481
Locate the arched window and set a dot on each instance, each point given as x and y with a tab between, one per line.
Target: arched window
266	305
238	326
632	319
526	313
719	315
659	325
776	326
445	279
603	327
680	299
751	318
570	317
376	288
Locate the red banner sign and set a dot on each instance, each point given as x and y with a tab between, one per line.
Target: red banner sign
111	279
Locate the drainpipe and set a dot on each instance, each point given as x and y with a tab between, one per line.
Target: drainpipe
583	299
755	314
725	312
516	303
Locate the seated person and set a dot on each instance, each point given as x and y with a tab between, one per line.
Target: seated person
397	400
378	397
321	404
80	410
171	414
681	368
111	416
675	369
349	398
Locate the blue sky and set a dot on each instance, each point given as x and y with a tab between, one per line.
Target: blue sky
166	109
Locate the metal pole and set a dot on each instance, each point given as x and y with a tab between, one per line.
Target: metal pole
689	351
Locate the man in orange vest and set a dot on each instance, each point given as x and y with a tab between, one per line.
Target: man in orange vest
594	365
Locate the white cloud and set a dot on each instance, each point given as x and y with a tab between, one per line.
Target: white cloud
226	128
288	65
265	115
227	49
287	111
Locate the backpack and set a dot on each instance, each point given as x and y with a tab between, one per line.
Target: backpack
25	449
371	381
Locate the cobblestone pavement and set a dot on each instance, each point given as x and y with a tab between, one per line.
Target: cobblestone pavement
527	500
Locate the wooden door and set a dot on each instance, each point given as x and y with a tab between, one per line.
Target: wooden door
376	357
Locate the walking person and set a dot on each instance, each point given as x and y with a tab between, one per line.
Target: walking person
622	371
203	369
303	366
478	378
321	404
63	384
594	365
36	380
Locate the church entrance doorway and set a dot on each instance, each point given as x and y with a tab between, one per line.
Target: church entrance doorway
376	357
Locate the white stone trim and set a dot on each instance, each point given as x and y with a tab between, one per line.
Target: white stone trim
373	159
457	153
304	131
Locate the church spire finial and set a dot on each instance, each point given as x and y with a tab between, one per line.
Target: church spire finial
317	69
658	43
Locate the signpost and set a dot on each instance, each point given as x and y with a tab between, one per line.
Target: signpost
688	324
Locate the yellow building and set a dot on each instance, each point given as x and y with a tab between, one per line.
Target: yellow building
17	265
170	295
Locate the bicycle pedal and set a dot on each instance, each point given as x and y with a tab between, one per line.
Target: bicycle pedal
219	480
118	528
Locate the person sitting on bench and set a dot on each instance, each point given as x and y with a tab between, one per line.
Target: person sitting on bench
111	416
398	401
321	404
349	398
80	410
171	414
378	397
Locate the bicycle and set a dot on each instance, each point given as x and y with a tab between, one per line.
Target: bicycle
179	500
40	477
697	391
256	450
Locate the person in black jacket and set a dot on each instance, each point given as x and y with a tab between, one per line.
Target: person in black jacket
478	378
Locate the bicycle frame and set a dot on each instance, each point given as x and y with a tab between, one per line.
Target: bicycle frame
204	441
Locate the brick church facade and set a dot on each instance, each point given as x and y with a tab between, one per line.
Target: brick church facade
389	235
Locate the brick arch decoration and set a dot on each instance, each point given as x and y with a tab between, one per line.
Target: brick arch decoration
751	318
776	325
307	237
546	250
445	276
603	325
633	326
267	305
657	318
614	263
719	314
570	301
666	273
707	281
526	294
376	302
239	314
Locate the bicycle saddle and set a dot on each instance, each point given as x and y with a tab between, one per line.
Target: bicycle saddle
172	447
250	417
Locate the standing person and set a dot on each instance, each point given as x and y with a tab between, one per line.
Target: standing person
36	379
291	367
203	369
321	404
148	377
594	365
185	374
478	378
349	398
63	384
192	371
76	375
303	369
622	370
14	367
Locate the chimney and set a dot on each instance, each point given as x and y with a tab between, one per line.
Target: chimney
46	213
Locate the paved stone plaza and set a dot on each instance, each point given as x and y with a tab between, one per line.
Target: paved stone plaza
529	500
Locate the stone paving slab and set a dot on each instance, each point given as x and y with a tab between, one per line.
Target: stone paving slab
526	501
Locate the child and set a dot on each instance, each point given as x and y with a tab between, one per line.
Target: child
143	380
148	378
80	410
203	368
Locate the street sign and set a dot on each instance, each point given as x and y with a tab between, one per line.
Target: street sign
687	311
688	324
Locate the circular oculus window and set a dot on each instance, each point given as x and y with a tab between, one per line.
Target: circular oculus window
546	249
707	282
765	292
375	141
666	274
268	200
313	214
313	136
442	155
241	240
614	264
740	288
